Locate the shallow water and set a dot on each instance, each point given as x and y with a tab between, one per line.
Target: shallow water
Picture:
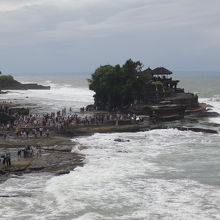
160	174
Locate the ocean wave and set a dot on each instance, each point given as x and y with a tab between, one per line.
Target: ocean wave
214	103
156	169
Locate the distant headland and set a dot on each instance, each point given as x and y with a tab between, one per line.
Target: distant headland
7	82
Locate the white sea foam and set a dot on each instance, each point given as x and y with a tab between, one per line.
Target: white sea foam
145	178
214	102
54	99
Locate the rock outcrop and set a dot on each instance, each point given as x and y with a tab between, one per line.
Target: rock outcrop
7	82
20	86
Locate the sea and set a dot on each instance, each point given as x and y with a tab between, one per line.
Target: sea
158	174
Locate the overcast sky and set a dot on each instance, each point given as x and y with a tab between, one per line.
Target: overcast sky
63	36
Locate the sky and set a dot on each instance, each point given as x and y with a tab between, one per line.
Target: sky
77	36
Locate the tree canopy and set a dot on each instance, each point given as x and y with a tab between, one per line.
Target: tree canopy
118	86
6	78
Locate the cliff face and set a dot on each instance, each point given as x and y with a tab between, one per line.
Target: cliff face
9	83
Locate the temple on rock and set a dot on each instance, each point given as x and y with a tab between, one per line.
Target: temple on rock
163	89
152	92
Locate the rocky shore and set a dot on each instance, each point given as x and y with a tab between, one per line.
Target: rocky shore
55	156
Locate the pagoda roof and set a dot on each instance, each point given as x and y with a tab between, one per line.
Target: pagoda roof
161	71
147	71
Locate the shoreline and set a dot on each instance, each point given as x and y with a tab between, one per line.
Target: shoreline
56	150
55	156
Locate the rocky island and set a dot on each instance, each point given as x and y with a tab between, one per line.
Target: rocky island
151	92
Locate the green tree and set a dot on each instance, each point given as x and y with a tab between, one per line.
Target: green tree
116	87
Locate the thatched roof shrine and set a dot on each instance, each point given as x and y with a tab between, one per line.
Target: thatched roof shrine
156	71
147	71
161	71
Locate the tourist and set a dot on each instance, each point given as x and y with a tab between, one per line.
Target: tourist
17	131
4	160
8	159
47	133
27	133
5	135
41	131
19	153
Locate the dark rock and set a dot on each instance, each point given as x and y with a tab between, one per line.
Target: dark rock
36	168
204	130
59	148
120	151
2	172
62	172
8	196
15	85
121	140
209	114
3	92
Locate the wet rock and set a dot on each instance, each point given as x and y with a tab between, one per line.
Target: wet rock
204	130
209	114
2	172
36	168
3	92
121	151
59	148
62	172
121	140
54	161
8	196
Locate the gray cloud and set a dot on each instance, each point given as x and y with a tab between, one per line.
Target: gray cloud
153	27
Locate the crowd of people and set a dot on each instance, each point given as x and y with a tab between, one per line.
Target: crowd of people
39	125
25	152
23	125
28	152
